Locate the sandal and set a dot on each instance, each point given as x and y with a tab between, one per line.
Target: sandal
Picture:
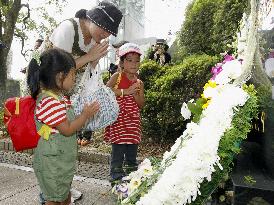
85	142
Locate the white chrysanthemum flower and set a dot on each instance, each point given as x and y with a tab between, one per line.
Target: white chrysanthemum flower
134	184
222	78
145	168
210	92
198	155
234	67
185	111
191	128
231	71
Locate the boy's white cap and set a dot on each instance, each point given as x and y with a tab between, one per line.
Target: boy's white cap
129	48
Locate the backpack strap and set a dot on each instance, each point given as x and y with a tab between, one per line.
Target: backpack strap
75	48
118	80
47	92
17	101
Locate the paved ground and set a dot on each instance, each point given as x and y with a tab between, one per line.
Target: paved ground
19	186
84	168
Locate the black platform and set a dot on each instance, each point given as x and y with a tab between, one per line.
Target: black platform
250	164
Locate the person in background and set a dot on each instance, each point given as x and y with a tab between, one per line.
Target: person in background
50	76
152	52
37	45
82	36
167	55
23	83
125	133
161	56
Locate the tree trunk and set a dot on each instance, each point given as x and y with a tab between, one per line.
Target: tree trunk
7	28
3	75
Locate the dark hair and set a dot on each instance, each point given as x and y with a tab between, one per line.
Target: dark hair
119	44
81	14
122	58
53	61
39	40
112	68
166	47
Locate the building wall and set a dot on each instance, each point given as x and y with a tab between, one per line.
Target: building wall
132	27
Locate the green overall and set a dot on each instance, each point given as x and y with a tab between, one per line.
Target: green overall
55	161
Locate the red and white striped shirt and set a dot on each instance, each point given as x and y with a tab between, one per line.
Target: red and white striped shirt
127	128
52	112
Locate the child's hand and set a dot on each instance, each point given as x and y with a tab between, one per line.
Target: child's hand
134	89
90	110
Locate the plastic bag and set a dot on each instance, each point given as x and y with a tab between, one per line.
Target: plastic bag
91	89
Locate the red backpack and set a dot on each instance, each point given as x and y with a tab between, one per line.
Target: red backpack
20	123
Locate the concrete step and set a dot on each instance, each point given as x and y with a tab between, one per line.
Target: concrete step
85	155
84	168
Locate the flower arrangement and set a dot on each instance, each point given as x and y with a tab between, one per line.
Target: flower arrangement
223	73
202	155
194	157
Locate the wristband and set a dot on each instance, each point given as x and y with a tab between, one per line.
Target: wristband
122	92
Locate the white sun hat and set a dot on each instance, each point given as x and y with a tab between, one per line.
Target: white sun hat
129	48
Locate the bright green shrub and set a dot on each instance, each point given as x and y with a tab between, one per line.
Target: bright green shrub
166	88
210	25
149	71
106	76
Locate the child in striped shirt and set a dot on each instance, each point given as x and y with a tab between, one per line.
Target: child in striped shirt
125	133
50	77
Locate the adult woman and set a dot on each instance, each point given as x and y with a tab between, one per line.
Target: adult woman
82	36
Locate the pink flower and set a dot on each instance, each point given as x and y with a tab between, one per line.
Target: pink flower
228	58
216	70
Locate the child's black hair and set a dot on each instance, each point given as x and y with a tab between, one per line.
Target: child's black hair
53	61
122	58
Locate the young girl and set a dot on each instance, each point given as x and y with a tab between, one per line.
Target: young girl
125	133
50	77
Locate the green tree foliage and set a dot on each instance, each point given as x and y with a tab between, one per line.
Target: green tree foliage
16	20
210	25
166	88
226	23
195	34
177	52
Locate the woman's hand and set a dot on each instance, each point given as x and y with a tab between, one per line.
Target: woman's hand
94	63
98	51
